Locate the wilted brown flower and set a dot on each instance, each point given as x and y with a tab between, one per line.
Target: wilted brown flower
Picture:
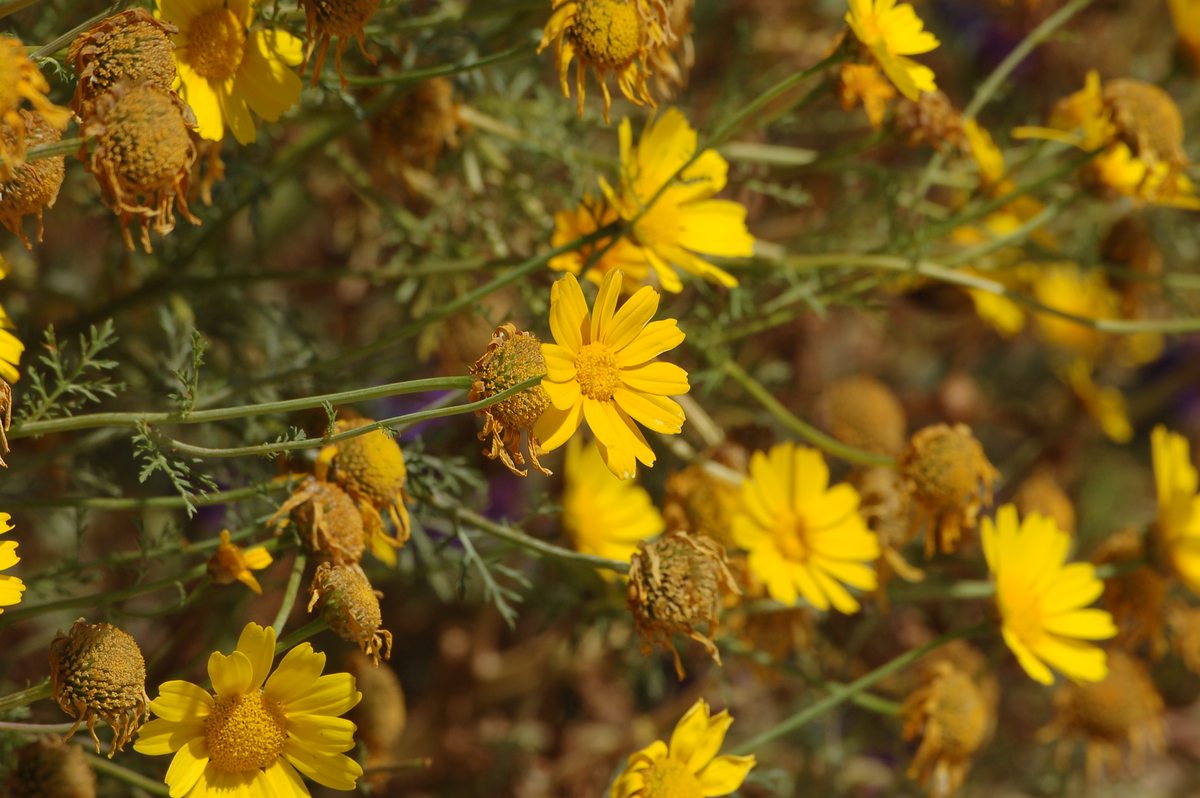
132	45
370	467
512	356
1148	120
1136	598
409	135
325	19
885	505
1184	622
675	586
1121	713
671	58
350	605
97	673
931	120
952	716
949	479
328	520
50	768
23	84
140	149
862	412
34	185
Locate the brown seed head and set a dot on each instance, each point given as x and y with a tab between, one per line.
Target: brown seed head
953	719
97	673
701	503
370	467
512	356
1147	119
1136	598
949	479
675	587
132	45
342	18
412	132
328	520
861	411
931	120
344	597
141	152
34	185
50	768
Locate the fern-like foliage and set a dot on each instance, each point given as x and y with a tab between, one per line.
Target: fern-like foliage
64	383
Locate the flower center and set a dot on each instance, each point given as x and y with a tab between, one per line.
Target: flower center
216	44
608	32
791	538
670	779
245	732
596	370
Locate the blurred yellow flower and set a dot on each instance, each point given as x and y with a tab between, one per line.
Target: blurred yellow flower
11	347
805	538
601	368
1177	531
1186	16
23	83
674	223
11	587
987	156
891	32
1068	288
603	515
592	215
230	562
1106	405
227	69
1042	599
256	735
864	83
689	767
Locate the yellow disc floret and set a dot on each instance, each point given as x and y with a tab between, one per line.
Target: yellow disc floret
608	32
245	732
216	44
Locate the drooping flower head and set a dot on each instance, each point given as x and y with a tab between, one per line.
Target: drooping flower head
949	479
34	185
602	368
1043	599
231	563
253	735
371	469
344	19
674	218
806	539
892	32
332	525
131	45
23	84
1137	595
228	68
604	515
688	767
863	412
512	357
607	36
1176	533
350	605
381	720
11	587
953	717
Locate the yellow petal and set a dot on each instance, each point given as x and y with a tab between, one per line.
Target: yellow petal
555	427
724	775
663	379
231	675
568	313
295	676
331	694
606	304
189	762
180	702
160	737
631	319
265	80
258	644
655	338
338	772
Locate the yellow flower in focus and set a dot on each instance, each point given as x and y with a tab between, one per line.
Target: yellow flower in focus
684	221
1042	599
256	735
1177	531
689	767
603	515
227	69
608	36
622	254
602	368
11	587
806	539
891	32
230	562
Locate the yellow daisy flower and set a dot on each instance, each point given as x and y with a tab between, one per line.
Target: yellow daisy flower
603	515
11	587
689	766
227	69
1042	599
684	221
806	539
230	563
1185	14
11	347
251	738
24	85
891	32
864	83
602	368
1177	531
603	255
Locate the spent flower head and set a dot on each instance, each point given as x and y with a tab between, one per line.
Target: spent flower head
512	357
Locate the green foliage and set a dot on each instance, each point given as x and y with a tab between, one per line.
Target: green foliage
67	382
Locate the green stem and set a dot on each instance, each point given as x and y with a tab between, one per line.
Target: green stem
244	411
1008	239
846	692
35	728
103	599
313	627
147	502
800	427
24	698
290	592
54	149
121	773
418	75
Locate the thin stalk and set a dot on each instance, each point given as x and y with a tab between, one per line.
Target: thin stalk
310	629
36	728
532	544
130	777
23	698
418	75
289	593
146	502
102	599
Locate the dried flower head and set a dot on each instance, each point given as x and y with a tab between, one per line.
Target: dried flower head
932	120
350	605
864	83
1147	120
131	45
50	768
1136	598
949	479
325	19
1119	719
34	185
140	149
6	404
609	36
410	134
886	507
703	503
22	83
381	720
1041	493
328	520
1184	622
671	58
230	563
863	412
512	356
371	469
97	673
953	718
675	587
